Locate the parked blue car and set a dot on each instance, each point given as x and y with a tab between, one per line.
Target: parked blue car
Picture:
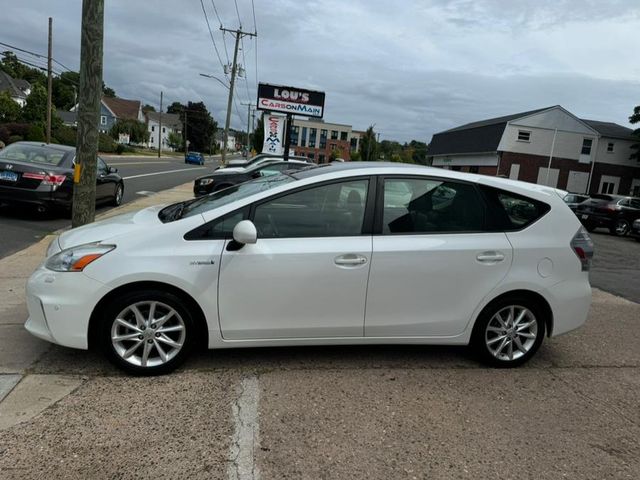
194	157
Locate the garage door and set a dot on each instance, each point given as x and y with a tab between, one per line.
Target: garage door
577	181
553	177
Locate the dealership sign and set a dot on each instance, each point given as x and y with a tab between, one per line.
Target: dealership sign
295	101
273	130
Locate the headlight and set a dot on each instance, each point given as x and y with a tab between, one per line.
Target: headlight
75	259
206	181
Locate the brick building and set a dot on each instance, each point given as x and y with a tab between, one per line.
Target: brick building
586	155
317	139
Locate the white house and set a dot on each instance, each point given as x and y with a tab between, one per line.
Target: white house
18	89
170	124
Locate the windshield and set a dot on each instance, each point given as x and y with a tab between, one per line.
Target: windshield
231	194
20	152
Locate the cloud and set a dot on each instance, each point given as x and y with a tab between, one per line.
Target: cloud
412	67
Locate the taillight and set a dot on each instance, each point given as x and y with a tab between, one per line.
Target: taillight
582	245
47	179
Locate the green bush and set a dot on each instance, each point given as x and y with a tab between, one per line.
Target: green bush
35	133
120	149
15	138
65	135
106	143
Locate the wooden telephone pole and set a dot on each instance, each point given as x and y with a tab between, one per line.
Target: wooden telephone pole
49	80
90	94
234	68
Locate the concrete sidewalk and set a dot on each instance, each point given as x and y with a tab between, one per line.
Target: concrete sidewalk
18	349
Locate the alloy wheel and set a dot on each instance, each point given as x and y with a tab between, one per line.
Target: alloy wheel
622	227
511	333
148	334
119	193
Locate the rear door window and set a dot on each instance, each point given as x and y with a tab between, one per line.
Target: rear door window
416	205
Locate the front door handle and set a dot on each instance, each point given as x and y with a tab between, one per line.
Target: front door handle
350	260
490	257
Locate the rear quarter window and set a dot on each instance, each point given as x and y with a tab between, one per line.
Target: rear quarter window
509	211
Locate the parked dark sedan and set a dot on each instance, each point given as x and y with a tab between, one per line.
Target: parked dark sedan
224	178
41	175
635	229
614	212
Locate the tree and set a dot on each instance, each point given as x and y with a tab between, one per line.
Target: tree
633	119
175	140
257	137
64	90
369	145
36	108
148	108
108	91
9	109
200	124
136	130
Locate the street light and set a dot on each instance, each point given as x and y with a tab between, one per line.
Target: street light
215	78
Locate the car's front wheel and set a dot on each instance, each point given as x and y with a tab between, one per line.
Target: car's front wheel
147	332
118	195
509	332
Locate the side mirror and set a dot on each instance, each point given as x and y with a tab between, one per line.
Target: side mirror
113	169
245	232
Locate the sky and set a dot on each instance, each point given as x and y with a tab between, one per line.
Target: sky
412	68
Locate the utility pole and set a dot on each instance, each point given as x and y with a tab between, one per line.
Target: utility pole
239	34
85	170
49	80
160	129
248	105
186	142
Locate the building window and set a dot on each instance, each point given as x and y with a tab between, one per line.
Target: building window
295	131
473	169
524	136
164	130
103	120
354	143
586	146
343	136
334	134
303	140
153	128
313	132
321	158
607	187
323	139
610	147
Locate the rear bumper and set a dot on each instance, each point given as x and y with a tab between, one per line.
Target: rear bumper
49	198
595	220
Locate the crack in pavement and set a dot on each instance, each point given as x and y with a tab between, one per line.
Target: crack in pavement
242	461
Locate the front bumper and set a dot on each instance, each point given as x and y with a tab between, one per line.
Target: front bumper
60	306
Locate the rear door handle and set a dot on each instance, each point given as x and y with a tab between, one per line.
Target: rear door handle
350	260
490	257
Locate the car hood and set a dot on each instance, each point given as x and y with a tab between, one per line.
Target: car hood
228	170
111	227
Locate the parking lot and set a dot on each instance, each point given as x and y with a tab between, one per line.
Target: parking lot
334	412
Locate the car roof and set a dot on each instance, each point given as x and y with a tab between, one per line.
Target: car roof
53	146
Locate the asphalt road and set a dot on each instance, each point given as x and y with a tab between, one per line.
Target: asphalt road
20	227
616	265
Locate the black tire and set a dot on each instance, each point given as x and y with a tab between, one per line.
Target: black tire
479	337
118	195
620	228
115	308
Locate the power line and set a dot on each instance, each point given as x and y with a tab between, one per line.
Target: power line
238	13
37	55
224	41
253	9
246	79
206	17
255	30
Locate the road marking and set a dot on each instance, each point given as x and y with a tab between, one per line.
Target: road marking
135	163
7	382
145	193
246	440
166	171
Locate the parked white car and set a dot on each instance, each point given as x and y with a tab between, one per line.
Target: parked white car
348	253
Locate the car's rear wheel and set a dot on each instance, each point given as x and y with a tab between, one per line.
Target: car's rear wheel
147	332
620	228
508	332
118	195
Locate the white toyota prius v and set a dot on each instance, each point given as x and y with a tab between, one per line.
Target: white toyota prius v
349	253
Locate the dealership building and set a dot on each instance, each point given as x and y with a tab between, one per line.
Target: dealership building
547	146
316	139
